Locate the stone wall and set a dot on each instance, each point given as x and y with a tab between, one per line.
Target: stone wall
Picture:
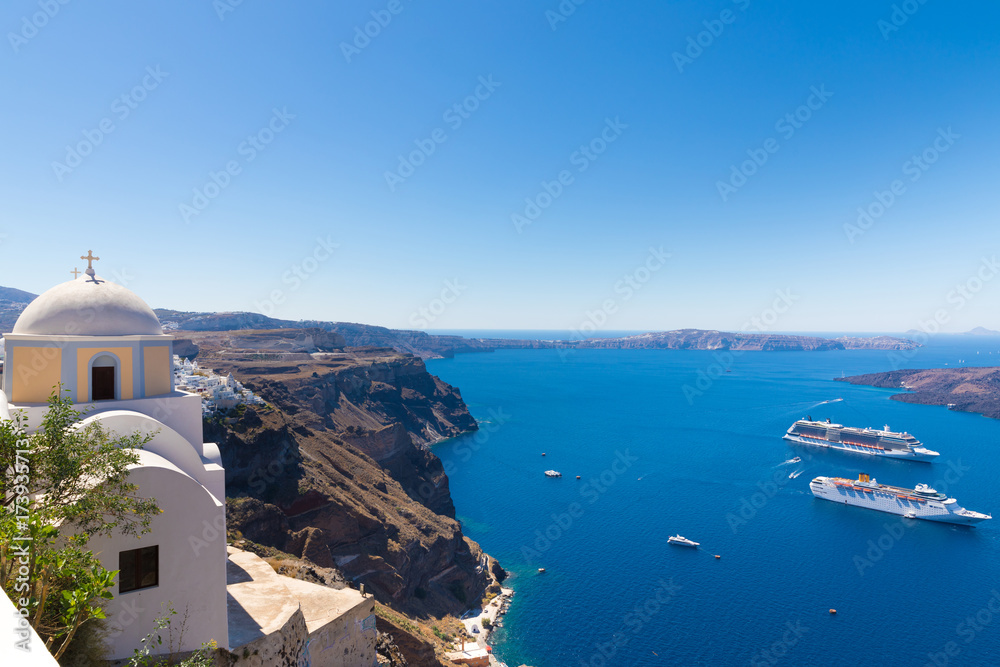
348	641
286	647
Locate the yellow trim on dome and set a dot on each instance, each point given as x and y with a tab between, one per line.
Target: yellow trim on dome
35	372
124	379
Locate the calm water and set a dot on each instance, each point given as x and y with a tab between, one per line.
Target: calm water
654	463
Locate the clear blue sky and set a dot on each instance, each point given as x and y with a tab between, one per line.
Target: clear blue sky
555	85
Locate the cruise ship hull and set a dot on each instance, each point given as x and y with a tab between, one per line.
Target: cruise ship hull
893	501
918	454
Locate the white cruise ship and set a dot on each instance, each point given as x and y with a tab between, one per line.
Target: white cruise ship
923	502
861	440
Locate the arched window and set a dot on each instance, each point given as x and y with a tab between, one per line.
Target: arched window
103	378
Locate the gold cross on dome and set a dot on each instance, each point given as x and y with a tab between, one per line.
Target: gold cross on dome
90	259
75	272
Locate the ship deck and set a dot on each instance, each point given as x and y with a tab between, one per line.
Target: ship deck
898	491
882	446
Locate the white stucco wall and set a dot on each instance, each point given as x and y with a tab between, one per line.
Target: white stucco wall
180	410
191	536
169	444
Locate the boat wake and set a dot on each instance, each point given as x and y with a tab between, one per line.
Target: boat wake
832	400
796	474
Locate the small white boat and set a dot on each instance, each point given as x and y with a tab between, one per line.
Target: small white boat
795	460
682	541
795	474
553	473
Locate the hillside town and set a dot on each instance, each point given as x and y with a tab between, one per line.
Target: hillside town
219	393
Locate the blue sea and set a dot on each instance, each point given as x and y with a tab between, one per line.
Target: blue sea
708	462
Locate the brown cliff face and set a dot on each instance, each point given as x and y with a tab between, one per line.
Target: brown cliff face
971	389
306	339
414	650
335	471
383	403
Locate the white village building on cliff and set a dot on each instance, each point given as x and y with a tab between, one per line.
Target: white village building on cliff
217	392
106	347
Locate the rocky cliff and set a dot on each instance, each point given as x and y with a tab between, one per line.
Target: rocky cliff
16	295
336	470
697	339
700	339
963	389
12	302
246	341
354	335
876	343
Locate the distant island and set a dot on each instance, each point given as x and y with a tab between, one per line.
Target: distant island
432	346
974	390
700	339
435	346
977	331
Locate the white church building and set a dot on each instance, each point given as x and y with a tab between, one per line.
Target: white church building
105	346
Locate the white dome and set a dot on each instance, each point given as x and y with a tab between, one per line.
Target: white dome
88	307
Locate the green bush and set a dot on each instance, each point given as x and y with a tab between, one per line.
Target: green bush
154	641
68	484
